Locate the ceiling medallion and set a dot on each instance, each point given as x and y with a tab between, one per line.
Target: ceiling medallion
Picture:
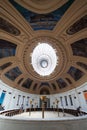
44	58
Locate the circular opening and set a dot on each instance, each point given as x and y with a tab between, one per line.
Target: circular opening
44	63
44	59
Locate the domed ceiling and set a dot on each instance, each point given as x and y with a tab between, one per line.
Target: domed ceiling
43	45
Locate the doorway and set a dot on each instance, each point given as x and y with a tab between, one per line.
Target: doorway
46	103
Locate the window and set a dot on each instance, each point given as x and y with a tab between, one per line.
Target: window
18	99
66	100
61	100
27	101
71	102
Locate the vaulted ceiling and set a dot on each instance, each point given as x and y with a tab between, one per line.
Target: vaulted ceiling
61	23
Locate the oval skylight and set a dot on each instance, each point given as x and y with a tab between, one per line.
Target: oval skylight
44	59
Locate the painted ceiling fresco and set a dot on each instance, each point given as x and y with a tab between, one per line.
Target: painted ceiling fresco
75	73
7	48
13	73
61	83
8	27
79	48
78	25
42	21
27	83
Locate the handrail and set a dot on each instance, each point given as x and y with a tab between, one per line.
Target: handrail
18	111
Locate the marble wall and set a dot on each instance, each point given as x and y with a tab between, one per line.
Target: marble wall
71	99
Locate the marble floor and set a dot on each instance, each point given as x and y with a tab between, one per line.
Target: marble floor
38	114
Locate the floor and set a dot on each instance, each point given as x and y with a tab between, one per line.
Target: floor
47	114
